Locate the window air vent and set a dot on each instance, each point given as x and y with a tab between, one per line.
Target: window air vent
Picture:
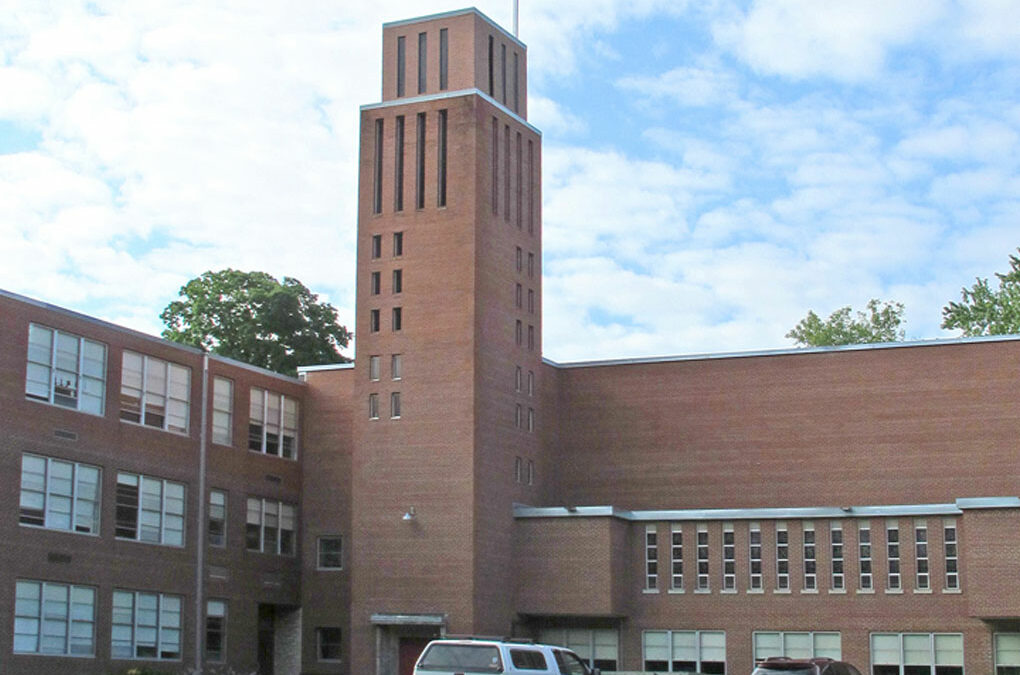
273	479
58	558
65	435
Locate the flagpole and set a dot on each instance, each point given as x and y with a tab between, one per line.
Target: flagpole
516	18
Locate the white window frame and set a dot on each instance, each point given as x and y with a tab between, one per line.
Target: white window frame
676	557
704	583
755	579
1006	655
223	411
922	559
281	507
373	406
951	551
591	645
809	542
729	559
894	579
934	654
865	558
144	516
373	367
837	558
782	557
786	649
396	367
51	493
215	494
394	405
287	423
75	623
164	626
695	636
89	382
651	559
215	609
176	393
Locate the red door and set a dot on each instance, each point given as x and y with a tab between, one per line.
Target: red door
410	650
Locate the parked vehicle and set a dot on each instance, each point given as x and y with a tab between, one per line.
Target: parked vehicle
461	656
781	665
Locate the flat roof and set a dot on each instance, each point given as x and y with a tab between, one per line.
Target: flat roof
453	13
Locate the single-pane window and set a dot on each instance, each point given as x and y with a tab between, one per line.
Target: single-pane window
223	411
396	367
217	518
373	367
329	644
330	553
215	629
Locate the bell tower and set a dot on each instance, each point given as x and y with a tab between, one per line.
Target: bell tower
448	326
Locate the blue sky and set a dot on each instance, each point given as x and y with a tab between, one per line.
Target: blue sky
712	169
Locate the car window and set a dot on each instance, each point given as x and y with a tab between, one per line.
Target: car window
462	658
528	659
570	664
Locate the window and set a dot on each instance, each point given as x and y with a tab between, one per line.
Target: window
916	654
1007	653
684	651
330	555
531	419
328	643
531	187
952	559
531	265
377	171
599	647
149	510
146	626
273	424
223	411
520	180
270	526
864	555
782	557
51	618
892	543
495	149
922	579
810	557
444	58
518	469
65	370
59	495
374	283
729	558
531	337
217	518
398	244
519	260
373	368
516	78
401	62
502	67
519	333
518	379
794	645
676	554
396	366
519	296
215	630
373	406
506	172
422	61
395	405
518	415
531	472
441	160
703	578
398	281
398	164
528	659
155	393
754	557
836	556
376	246
531	383
396	319
651	558
491	77
531	301
419	172
373	321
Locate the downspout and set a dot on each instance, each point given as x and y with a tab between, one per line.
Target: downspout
200	532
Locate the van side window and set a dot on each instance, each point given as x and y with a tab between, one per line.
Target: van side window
527	659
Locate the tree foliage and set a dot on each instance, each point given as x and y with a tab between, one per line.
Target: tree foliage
882	323
252	317
983	311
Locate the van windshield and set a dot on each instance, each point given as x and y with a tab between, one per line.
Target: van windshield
462	658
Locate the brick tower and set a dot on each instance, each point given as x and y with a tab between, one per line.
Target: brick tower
449	336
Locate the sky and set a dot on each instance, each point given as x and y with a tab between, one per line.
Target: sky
712	169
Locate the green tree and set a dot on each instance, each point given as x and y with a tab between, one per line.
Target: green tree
252	317
983	311
882	323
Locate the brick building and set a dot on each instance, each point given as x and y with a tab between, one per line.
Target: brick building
171	509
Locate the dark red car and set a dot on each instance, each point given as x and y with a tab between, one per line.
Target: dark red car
781	665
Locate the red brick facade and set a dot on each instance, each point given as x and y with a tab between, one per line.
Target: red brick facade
652	514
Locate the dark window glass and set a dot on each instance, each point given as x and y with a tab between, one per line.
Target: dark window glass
441	163
398	165
378	168
444	58
401	60
420	164
422	61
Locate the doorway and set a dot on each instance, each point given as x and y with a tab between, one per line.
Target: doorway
410	649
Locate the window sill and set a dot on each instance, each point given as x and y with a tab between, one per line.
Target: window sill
676	591
782	591
57	529
894	591
650	591
809	591
922	591
837	591
51	404
150	543
952	591
865	591
184	434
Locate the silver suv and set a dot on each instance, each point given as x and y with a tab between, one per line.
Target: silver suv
460	656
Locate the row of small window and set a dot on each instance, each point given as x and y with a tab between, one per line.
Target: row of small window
397	285
807	552
519	298
444	59
419	158
513	195
396	320
59	619
891	653
519	335
66	496
522	422
519	381
598	647
519	262
70	371
373	406
398	245
524	471
375	364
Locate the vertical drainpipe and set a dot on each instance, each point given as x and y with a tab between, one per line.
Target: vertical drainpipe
200	533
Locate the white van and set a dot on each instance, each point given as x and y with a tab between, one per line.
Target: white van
461	656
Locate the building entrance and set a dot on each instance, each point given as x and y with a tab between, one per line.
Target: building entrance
410	649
